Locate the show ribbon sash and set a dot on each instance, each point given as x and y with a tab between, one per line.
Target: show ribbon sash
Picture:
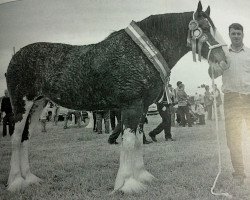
152	54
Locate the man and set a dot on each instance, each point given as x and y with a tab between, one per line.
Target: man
208	101
183	108
8	119
164	109
236	89
218	101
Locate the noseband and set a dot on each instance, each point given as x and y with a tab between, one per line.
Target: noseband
195	33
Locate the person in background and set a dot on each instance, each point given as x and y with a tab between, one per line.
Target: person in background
174	101
183	106
8	119
102	114
236	89
114	113
208	101
56	113
94	119
164	109
218	101
200	112
44	115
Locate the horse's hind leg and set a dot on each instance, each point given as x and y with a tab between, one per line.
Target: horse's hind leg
131	172
15	180
30	126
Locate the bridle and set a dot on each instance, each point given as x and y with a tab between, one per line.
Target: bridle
195	33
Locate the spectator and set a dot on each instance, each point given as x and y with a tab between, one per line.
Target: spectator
183	108
114	114
44	115
178	118
102	114
164	107
218	101
172	108
94	119
8	119
208	101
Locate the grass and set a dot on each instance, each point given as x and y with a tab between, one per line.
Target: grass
77	164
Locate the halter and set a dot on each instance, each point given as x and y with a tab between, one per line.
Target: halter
196	33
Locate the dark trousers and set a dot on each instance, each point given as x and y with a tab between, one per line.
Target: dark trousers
99	116
94	119
236	109
209	109
114	114
118	129
184	115
201	119
8	120
165	125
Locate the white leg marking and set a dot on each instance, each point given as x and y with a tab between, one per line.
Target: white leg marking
15	180
140	172
126	177
25	167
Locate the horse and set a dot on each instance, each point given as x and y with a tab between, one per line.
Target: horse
111	74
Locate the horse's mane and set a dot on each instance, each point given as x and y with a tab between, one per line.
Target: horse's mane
162	22
170	24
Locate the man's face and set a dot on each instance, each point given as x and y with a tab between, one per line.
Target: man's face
6	93
236	37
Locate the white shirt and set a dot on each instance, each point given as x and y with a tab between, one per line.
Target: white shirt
237	77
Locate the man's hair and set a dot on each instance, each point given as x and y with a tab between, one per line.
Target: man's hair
236	26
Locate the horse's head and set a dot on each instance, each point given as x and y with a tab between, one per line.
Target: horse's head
202	37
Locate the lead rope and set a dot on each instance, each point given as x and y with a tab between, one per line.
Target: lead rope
219	147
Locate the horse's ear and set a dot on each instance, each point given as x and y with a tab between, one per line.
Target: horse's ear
208	11
199	10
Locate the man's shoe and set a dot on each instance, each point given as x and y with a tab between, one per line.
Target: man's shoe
113	142
146	142
152	137
170	139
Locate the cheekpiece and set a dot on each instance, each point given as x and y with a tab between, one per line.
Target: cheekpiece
203	38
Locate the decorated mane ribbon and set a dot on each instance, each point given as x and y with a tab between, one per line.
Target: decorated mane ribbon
151	52
195	33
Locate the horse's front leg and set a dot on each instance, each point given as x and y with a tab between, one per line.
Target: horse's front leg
131	172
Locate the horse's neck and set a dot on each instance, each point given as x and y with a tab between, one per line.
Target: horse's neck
169	34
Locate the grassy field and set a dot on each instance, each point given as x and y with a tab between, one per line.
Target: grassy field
78	164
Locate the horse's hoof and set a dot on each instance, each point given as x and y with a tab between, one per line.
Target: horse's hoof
145	176
32	179
16	185
131	185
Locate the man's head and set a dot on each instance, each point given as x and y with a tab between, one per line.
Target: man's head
236	34
6	93
206	87
178	83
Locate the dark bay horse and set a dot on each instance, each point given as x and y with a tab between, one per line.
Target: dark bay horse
111	74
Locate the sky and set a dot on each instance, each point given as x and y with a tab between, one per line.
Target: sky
82	22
